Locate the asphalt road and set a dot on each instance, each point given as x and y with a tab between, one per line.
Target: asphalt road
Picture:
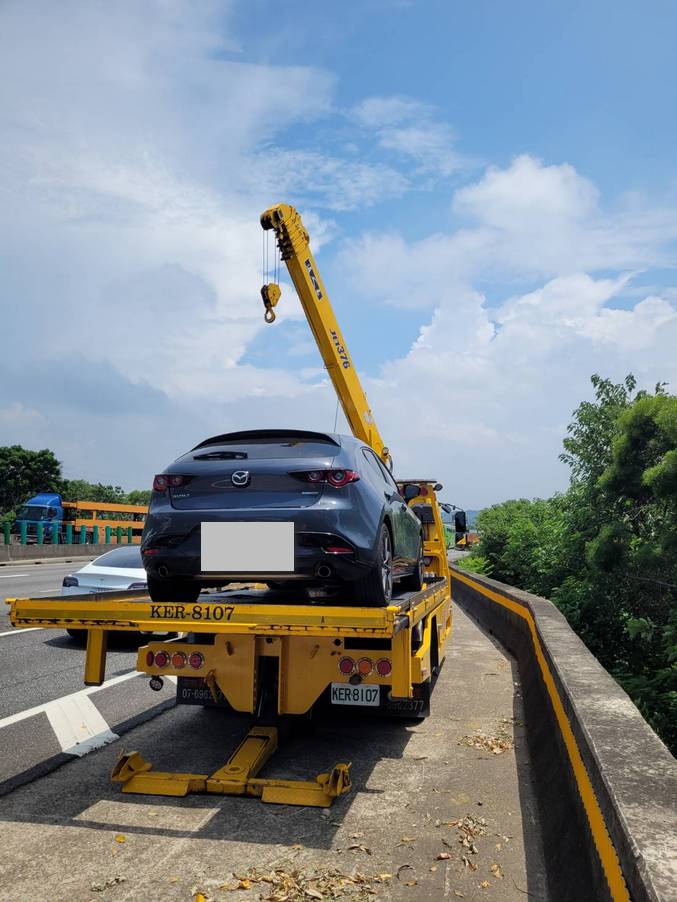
72	835
37	666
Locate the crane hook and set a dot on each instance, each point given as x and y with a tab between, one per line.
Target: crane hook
271	294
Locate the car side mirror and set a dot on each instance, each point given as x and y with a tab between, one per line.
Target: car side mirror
410	492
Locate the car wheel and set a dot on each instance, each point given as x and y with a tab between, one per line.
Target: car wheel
376	589
414	582
80	636
185	590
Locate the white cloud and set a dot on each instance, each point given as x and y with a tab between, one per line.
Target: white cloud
492	387
410	130
526	222
338	184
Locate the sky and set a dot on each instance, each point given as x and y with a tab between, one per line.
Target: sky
490	190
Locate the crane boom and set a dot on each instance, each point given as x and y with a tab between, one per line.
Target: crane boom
293	242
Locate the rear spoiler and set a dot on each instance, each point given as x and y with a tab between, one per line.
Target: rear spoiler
274	435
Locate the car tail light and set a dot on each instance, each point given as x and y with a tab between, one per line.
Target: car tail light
179	660
337	478
161	659
163	481
151	551
160	483
338	549
365	666
150	657
383	667
70	581
175	481
137	586
346	665
196	660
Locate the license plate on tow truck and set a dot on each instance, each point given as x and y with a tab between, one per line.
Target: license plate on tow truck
345	694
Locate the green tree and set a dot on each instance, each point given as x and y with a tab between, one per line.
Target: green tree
24	473
139	496
606	550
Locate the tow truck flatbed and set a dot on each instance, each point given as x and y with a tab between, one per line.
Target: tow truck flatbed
235	611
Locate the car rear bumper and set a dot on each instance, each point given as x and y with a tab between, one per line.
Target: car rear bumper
312	561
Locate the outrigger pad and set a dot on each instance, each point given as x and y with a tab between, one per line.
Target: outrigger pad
319	794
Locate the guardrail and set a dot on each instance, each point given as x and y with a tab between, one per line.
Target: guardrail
54	534
607	785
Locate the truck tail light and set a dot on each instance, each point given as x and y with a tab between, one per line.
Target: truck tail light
161	659
179	660
150	657
196	660
365	666
383	667
346	666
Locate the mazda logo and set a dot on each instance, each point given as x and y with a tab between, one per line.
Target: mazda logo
240	478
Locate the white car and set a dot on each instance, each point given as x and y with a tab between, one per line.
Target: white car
113	571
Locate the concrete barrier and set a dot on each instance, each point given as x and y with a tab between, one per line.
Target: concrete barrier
606	783
21	554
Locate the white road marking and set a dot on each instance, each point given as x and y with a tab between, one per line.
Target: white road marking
76	721
13	575
17	632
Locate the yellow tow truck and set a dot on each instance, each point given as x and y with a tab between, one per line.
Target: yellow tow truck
242	650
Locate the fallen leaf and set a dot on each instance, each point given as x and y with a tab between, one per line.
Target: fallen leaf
174	879
297	845
356	835
313	893
120	838
459	894
443	856
358	847
485	884
406	839
496	870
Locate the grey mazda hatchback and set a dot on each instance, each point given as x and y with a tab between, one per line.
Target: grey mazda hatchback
289	508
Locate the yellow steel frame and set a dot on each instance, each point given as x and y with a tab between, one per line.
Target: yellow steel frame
293	242
237	777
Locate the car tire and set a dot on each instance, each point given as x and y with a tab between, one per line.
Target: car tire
376	589
185	590
80	636
414	582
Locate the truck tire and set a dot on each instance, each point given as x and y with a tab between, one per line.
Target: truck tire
185	590
376	589
414	582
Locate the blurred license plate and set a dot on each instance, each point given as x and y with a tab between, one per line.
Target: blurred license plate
247	547
345	694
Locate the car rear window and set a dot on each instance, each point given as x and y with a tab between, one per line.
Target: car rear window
261	449
121	557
